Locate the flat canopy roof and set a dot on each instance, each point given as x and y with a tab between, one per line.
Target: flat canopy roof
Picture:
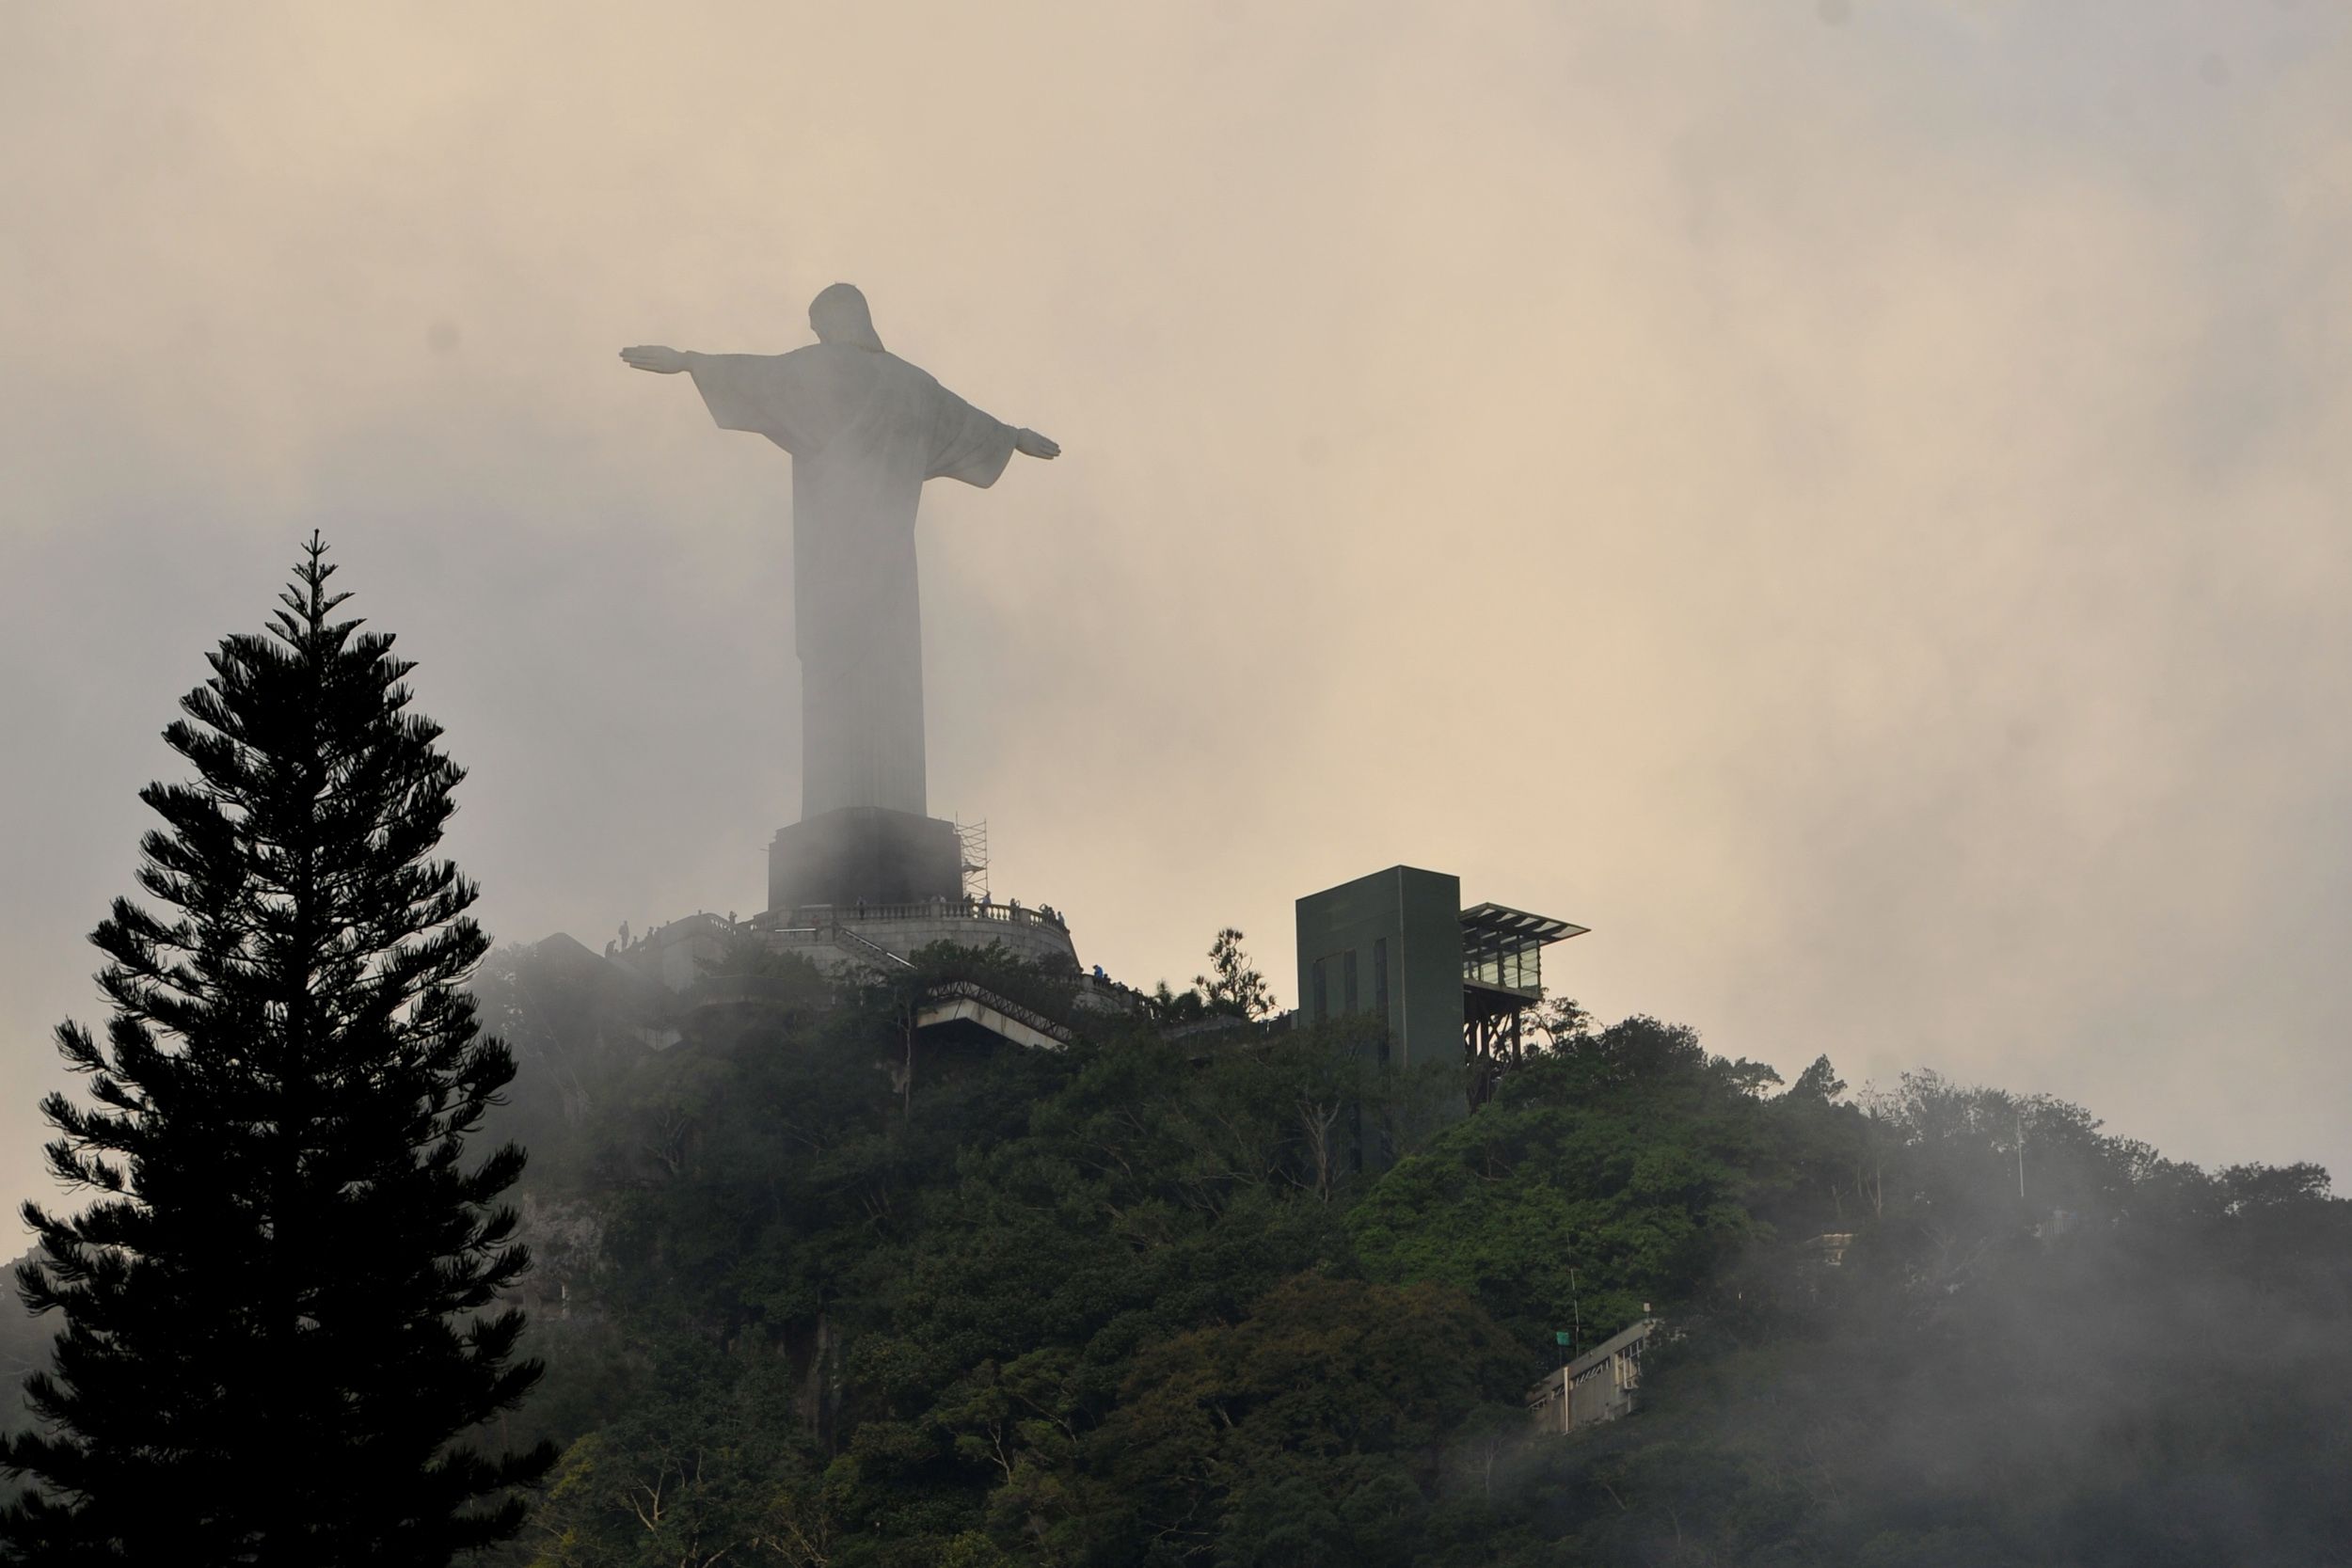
1498	928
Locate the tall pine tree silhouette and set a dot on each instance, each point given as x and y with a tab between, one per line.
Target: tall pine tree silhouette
279	1313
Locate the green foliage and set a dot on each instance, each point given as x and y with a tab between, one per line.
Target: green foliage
1628	1156
1308	1431
1233	984
1819	1082
1154	1301
695	1472
279	1304
1233	990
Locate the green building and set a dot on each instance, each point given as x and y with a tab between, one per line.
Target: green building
1450	984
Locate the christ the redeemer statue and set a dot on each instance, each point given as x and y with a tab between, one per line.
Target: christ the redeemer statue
866	429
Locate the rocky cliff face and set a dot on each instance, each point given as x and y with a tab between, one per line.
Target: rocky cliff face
566	1240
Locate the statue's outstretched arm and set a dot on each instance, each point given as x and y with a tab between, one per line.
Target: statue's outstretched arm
653	357
1028	443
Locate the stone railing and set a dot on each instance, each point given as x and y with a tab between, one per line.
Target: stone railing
932	908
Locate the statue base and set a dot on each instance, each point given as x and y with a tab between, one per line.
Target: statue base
864	855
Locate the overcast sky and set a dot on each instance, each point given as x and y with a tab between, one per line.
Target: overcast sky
1845	497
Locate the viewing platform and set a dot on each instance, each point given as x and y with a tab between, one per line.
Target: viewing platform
831	937
870	936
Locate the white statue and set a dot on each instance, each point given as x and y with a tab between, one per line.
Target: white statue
865	429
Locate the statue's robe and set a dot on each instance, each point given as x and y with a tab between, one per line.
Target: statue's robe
865	429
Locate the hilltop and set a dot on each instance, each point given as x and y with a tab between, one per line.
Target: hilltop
809	1296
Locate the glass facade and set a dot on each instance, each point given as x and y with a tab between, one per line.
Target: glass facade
1518	965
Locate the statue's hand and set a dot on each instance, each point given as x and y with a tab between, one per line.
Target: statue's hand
653	357
1028	443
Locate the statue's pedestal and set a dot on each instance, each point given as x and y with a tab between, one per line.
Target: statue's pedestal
863	854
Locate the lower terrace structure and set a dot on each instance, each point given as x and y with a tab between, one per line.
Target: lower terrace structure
1599	1386
878	939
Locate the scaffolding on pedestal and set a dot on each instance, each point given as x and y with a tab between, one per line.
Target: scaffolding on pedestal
973	837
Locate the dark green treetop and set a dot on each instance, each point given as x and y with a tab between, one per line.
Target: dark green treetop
1233	984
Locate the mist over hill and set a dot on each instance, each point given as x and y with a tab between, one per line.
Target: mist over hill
811	1293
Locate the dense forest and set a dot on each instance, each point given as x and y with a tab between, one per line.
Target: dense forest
812	1291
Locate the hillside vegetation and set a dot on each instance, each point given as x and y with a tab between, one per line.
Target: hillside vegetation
811	1297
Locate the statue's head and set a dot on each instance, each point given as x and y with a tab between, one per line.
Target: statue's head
839	315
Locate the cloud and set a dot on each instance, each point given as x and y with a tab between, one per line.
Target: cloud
1852	512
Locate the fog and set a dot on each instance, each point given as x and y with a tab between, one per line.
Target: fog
1845	499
